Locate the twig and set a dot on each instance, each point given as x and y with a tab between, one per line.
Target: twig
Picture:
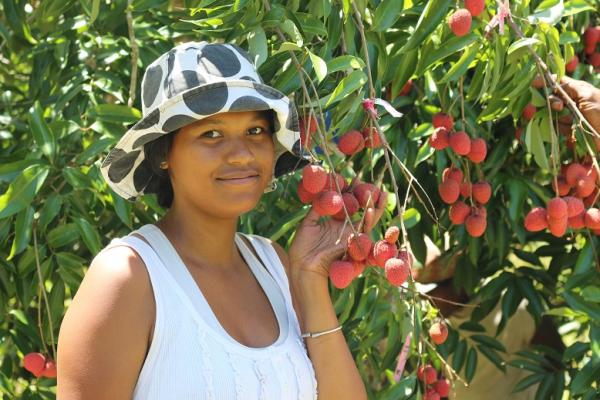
134	55
43	289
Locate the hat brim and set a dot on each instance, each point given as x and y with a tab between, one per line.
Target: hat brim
128	173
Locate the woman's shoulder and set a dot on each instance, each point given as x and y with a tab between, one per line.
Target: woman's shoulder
281	253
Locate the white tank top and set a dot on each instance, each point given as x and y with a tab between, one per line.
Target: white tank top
192	357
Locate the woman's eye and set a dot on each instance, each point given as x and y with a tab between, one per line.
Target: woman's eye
256	130
209	134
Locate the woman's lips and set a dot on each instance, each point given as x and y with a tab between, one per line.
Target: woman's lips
240	181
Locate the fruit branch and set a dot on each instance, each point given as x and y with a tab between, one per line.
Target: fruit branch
43	290
134	55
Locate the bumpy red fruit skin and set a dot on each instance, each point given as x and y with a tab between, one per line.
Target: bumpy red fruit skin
465	189
460	143
332	178
438	332
34	363
574	206
536	220
372	140
396	271
442	386
383	251
591	199
591	36
439	138
427	374
50	369
449	191
431	394
478	151
573	172
595	60
406	88
391	234
359	267
443	120
351	142
529	111
592	218
482	191
305	135
359	247
563	186
351	205
557	208
577	222
558	226
328	202
475	7
305	196
362	190
585	186
460	22
518	133
314	178
459	212
341	273
571	66
452	173
476	225
405	255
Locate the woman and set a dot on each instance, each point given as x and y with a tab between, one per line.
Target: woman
187	308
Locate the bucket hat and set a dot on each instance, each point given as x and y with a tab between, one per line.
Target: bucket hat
192	81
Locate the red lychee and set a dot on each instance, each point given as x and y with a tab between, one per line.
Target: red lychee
391	234
383	251
452	173
573	172
475	224
359	247
438	332
529	111
34	363
443	120
557	208
372	139
49	369
442	386
308	127
478	151
585	186
591	36
406	88
341	273
431	394
459	212
351	204
460	143
475	7
563	186
330	182
465	189
571	66
574	206
482	191
359	267
328	202
449	191
427	374
362	191
314	178
578	221
396	271
305	196
558	226
460	22
351	142
439	138
536	219
592	218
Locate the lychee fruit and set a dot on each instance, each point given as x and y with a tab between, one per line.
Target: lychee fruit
563	186
383	251
396	271
478	151
536	219
460	143
476	224
351	142
308	127
460	22
571	66
439	138
405	255
475	7
49	369
438	332
482	191
431	394
34	363
585	186
305	196
328	202
578	221
529	111
518	133
449	191
465	189
314	178
362	191
573	172
595	60
558	226
359	247
391	234
574	206
442	386
427	374
452	173
371	136
443	120
406	88
351	204
341	273
330	182
591	36
592	218
557	208
459	212
359	267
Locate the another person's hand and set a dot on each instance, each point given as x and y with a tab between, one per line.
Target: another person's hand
587	98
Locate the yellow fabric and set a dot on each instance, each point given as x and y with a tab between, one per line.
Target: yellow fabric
489	382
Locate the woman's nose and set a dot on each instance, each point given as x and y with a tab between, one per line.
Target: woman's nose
239	152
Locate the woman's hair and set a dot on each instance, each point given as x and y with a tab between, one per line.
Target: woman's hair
157	151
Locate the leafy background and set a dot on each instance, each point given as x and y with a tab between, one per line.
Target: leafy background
66	67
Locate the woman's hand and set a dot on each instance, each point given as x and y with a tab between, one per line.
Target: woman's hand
315	244
587	98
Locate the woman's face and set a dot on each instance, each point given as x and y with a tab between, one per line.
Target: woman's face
222	164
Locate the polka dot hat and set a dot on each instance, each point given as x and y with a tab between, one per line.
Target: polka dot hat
192	81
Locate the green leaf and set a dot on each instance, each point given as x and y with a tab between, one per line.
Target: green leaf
568	37
62	235
489	342
445	49
287	223
471	364
23	227
22	190
591	293
387	12
406	63
343	63
521	43
257	42
491	355
430	19
576	6
458	357
319	65
528	381
461	66
348	85
585	259
89	234
550	15
288	46
584	377
41	133
535	144
115	113
122	208
411	217
50	210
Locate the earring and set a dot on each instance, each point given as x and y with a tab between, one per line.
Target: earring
272	186
163	165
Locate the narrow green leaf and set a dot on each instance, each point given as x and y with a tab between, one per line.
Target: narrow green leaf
489	342
319	65
115	113
576	6
348	85
41	133
23	227
343	63
528	381
430	19
491	355
89	234
463	63
471	364
257	42
453	45
549	15
521	43
387	12
22	190
458	357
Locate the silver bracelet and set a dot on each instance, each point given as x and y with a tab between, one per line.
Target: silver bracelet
317	334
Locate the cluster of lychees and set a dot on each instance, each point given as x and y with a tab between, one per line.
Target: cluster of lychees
576	188
591	38
435	388
354	140
460	21
39	365
452	185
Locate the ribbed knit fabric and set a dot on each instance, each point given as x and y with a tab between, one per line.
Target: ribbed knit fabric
192	357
